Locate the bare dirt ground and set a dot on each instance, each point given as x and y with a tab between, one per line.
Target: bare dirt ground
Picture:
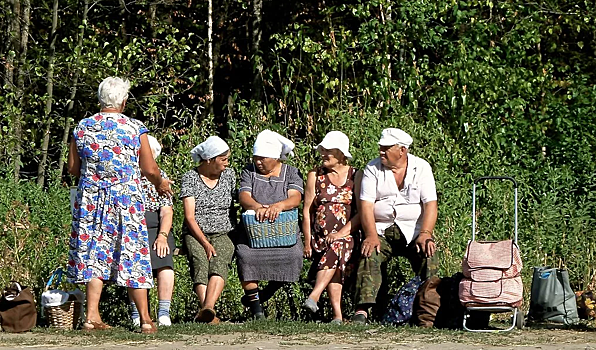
546	339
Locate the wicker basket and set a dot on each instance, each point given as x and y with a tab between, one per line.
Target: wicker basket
65	316
281	233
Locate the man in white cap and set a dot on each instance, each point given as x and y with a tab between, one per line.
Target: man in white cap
398	210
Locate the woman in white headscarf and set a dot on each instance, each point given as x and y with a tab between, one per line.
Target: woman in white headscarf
207	196
268	187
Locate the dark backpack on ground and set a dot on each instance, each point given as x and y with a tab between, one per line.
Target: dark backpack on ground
401	307
437	303
427	303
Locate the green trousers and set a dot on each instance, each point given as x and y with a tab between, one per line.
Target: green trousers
369	278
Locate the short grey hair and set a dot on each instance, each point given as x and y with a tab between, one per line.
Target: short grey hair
113	92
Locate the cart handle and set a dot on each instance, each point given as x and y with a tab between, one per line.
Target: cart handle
496	178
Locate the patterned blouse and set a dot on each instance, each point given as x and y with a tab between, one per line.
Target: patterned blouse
153	201
213	206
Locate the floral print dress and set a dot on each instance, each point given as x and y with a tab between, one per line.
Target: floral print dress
109	239
335	208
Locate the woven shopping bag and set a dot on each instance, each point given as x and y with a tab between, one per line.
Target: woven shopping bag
62	309
280	233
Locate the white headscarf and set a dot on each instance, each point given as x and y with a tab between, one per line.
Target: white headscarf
211	148
272	145
154	145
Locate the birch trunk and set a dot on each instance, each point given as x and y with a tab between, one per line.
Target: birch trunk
20	92
210	53
257	17
41	168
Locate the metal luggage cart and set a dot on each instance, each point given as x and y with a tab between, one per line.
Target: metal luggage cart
517	316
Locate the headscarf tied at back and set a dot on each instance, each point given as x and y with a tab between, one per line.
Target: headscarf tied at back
272	145
210	148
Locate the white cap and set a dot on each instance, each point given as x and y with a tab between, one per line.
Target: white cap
336	140
394	136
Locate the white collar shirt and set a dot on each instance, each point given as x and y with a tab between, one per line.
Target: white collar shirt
394	206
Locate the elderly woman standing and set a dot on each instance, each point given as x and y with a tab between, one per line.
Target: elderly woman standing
109	241
207	195
268	186
159	215
330	214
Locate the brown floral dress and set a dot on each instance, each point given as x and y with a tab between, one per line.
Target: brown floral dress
335	208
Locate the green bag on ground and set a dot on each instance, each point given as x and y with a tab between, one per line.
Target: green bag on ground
552	298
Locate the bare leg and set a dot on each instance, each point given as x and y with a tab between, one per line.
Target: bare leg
139	296
94	288
323	279
214	289
334	291
201	291
250	285
251	298
165	283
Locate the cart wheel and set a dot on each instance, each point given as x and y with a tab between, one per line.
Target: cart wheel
520	320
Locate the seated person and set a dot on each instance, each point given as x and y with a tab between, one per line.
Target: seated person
330	214
398	212
268	186
207	195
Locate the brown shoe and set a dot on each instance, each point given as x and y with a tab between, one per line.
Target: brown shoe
95	326
148	328
205	316
215	320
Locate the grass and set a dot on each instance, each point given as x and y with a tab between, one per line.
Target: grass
294	334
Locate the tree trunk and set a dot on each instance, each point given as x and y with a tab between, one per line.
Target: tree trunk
257	17
13	30
73	92
20	92
210	53
41	168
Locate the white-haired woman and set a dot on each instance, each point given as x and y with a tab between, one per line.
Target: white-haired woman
207	193
109	241
268	187
330	220
159	215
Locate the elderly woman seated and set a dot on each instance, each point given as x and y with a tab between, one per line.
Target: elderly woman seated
207	192
158	216
268	187
330	216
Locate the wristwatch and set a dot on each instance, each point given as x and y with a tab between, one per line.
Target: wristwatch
164	233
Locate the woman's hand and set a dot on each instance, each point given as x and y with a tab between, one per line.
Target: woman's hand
209	250
332	237
307	253
161	246
273	211
261	213
164	188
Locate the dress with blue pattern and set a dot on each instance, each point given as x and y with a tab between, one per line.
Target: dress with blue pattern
109	239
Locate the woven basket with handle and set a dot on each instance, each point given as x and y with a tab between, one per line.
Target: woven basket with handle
67	315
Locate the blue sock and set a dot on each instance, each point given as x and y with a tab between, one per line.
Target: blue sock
134	312
164	308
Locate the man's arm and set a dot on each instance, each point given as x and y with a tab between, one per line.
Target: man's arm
371	237
425	242
366	209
